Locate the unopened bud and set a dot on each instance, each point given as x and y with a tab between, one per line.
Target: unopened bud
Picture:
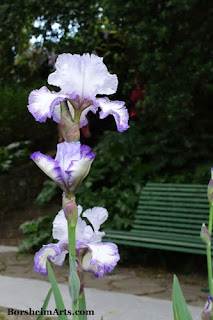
70	208
205	235
210	188
69	129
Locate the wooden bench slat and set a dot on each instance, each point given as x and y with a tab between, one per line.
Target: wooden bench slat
176	204
174	200
176	194
175	185
173	209
173	219
166	229
192	215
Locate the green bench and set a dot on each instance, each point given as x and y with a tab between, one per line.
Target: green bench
168	217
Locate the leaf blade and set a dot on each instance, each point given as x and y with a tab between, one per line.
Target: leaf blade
46	301
57	294
180	309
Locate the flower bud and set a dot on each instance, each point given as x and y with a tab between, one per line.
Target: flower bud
69	129
207	312
210	188
205	235
70	208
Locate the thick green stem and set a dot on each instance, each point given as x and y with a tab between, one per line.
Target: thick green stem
208	251
210	218
71	236
74	282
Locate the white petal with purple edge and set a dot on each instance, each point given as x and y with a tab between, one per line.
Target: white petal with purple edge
102	258
96	216
117	109
42	103
83	117
85	76
79	169
66	153
49	251
49	166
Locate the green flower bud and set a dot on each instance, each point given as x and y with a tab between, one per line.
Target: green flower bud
205	235
69	128
210	188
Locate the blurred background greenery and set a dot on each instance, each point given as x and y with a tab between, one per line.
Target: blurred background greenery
169	43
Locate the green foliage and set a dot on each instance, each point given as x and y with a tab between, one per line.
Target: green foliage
48	192
56	292
17	124
14	154
180	309
36	233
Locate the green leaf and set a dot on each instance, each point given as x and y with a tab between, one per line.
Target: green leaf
46	301
180	309
102	318
83	306
74	282
57	294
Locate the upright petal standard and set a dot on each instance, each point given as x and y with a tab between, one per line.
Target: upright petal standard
80	79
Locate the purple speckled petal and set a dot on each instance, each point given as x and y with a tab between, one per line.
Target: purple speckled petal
50	167
50	251
117	109
42	103
101	259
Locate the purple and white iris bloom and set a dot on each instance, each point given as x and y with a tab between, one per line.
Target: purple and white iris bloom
98	257
81	79
70	166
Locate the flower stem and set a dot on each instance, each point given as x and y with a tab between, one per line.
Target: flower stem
71	235
208	252
74	282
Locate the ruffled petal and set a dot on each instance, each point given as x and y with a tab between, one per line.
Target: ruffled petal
50	167
96	216
60	231
50	251
117	109
83	118
42	103
101	259
84	76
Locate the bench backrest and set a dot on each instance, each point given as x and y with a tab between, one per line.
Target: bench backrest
172	208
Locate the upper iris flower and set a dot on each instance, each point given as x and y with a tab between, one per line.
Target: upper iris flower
81	79
70	166
96	256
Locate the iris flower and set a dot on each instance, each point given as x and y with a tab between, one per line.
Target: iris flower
98	257
80	79
70	166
